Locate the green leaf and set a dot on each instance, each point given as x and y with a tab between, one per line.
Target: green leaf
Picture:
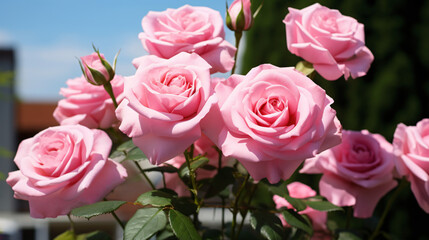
145	223
200	162
281	190
182	226
92	210
298	204
276	189
169	191
348	236
96	235
268	224
126	146
163	169
127	151
2	176
156	198
67	235
184	205
304	67
296	220
184	170
324	206
212	234
221	180
209	167
166	234
136	155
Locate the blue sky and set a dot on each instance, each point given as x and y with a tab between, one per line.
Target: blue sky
48	35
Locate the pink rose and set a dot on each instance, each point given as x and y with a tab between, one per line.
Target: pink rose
87	104
358	172
317	218
94	70
245	22
273	119
333	43
188	29
411	144
202	146
164	103
64	167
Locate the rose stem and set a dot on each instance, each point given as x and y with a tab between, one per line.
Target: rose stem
194	191
71	226
116	217
188	155
118	220
145	176
163	180
219	159
389	205
235	207
223	218
349	212
238	35
109	90
248	204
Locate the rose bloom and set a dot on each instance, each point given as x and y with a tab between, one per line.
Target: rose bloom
317	218
62	168
333	43
202	146
188	29
164	103
234	10
273	119
358	172
93	61
411	144
87	104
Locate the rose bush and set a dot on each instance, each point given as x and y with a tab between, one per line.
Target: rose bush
332	42
411	145
64	167
317	218
164	103
358	172
273	119
188	29
270	120
87	104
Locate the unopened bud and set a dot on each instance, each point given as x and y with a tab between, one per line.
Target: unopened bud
239	15
96	69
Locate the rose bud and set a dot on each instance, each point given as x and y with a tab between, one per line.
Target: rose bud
96	69
239	16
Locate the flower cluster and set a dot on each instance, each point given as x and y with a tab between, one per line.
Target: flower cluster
206	134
